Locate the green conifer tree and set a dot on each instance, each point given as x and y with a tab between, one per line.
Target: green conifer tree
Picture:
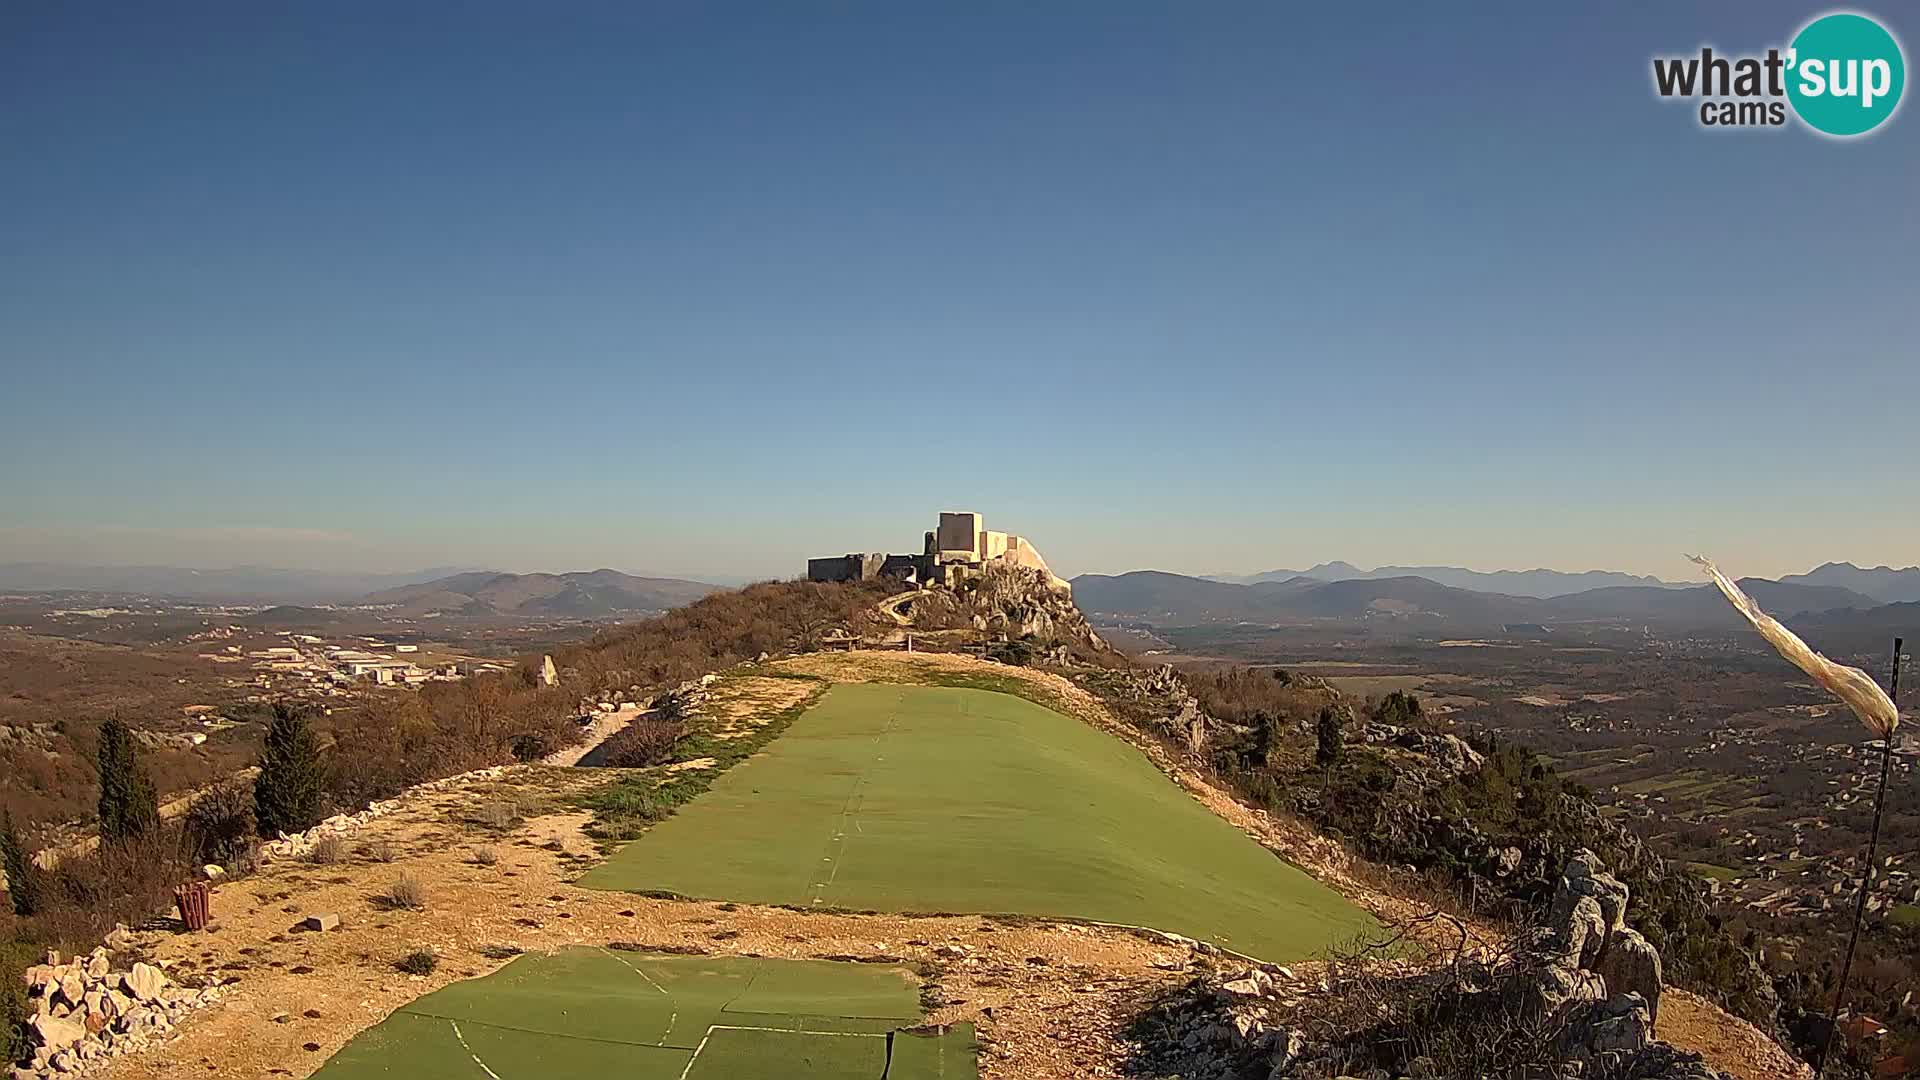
23	877
129	805
291	787
1330	736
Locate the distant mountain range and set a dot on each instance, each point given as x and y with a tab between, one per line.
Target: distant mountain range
1174	600
234	584
1883	583
587	594
442	590
1540	584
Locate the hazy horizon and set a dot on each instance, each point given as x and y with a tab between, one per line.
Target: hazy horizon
13	551
703	292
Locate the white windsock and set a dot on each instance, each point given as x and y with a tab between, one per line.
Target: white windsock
1855	687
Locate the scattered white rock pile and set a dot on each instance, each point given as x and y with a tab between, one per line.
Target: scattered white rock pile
1589	990
298	844
1227	1030
83	1012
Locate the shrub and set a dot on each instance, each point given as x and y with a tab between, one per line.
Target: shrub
15	959
1018	652
287	794
418	962
485	856
382	851
1330	736
327	850
219	824
719	631
129	805
23	877
391	741
125	881
646	741
406	892
545	732
1400	709
496	815
499	952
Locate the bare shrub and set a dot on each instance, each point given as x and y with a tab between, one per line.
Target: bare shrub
1468	1015
391	741
646	741
418	962
499	816
499	952
122	882
485	856
327	850
406	893
219	824
381	851
719	631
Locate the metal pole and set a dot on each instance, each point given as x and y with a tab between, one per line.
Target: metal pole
1866	882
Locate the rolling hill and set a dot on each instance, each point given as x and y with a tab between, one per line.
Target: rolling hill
1173	600
584	594
1539	584
233	584
1702	605
1883	583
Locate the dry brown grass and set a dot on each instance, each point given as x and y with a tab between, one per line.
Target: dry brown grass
327	850
407	893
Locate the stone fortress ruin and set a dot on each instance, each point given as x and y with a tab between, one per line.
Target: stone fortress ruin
959	548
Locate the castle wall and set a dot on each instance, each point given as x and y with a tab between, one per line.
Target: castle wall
959	532
857	566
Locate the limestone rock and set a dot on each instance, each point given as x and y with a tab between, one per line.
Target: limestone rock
1631	965
1585	876
71	990
1618	1025
321	923
56	1034
1580	932
144	982
1507	860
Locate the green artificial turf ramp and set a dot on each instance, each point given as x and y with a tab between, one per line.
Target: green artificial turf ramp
732	1053
598	1013
932	1056
914	798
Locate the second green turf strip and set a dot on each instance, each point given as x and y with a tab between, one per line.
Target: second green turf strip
931	799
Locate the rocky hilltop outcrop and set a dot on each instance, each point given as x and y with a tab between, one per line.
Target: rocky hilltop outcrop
1008	601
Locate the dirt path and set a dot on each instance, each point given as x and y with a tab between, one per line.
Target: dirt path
602	728
890	607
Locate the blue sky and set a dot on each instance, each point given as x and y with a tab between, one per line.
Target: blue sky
705	289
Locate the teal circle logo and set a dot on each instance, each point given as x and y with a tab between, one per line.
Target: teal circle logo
1845	74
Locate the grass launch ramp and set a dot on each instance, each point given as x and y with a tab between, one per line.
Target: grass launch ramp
600	1013
934	799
